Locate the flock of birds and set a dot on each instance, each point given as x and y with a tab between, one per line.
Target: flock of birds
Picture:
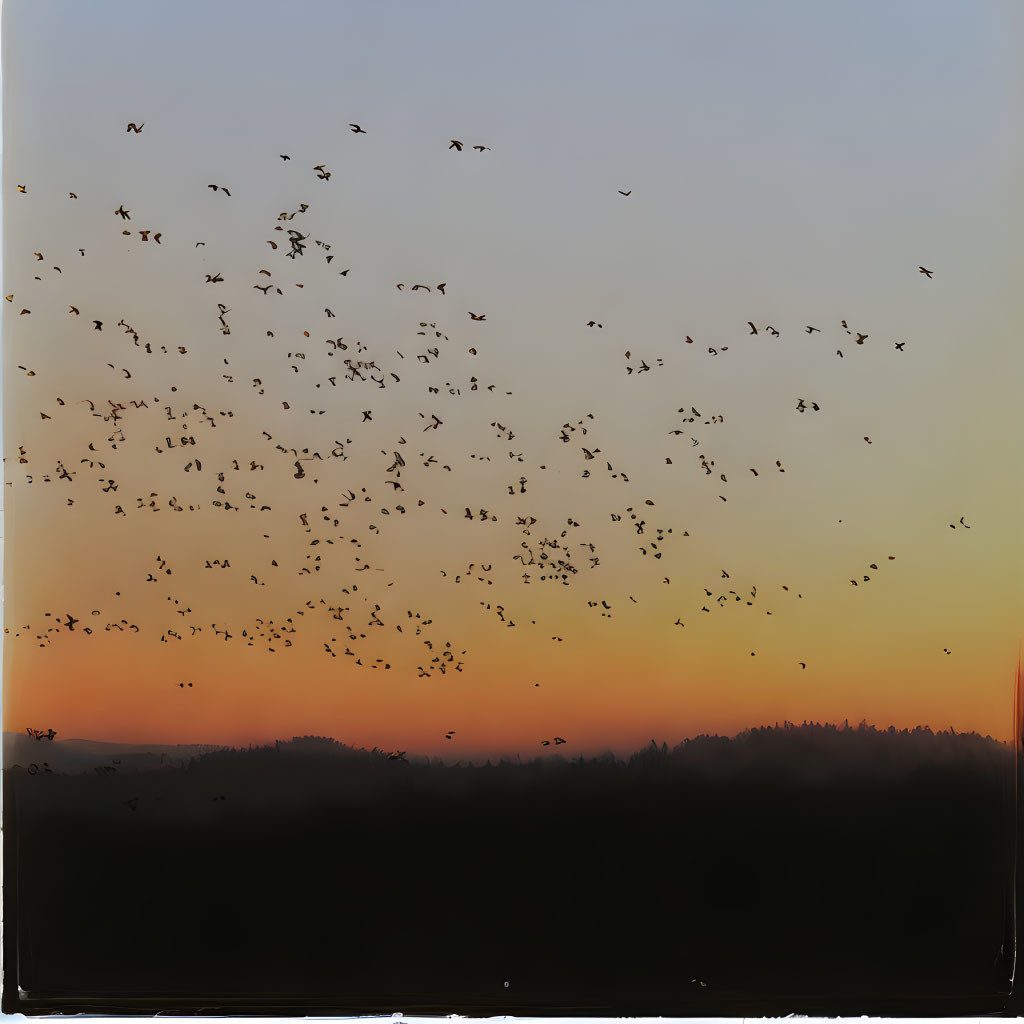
350	621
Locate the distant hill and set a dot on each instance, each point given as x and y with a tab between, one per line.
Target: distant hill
74	756
807	750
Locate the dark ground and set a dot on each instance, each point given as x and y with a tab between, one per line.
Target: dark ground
805	869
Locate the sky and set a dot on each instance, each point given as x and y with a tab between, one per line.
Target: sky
786	164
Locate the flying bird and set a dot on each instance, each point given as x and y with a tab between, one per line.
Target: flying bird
455	144
132	127
621	193
482	316
356	130
927	273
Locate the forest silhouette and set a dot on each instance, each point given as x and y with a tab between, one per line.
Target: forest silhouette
804	868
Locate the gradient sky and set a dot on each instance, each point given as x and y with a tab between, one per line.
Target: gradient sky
790	164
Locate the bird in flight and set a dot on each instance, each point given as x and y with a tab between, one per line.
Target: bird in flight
132	127
479	149
927	273
753	329
811	330
284	156
356	130
899	345
621	193
455	144
221	187
124	214
482	316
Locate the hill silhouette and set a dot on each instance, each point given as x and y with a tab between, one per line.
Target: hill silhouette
808	868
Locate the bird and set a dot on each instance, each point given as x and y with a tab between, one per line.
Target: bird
802	664
132	127
927	273
124	214
482	316
72	195
356	130
861	338
455	144
284	156
440	287
621	193
594	323
899	345
811	330
963	524
21	188
753	329
221	187
480	149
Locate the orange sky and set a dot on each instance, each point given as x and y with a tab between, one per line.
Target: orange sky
744	209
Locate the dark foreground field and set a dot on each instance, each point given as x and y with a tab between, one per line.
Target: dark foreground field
803	869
